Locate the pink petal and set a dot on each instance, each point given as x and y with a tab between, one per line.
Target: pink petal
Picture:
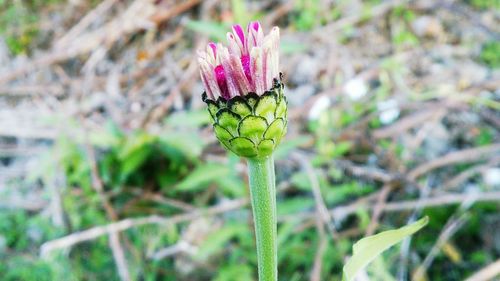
238	31
232	86
209	80
271	57
245	63
206	85
255	25
239	38
267	73
255	35
220	76
213	46
256	68
238	74
248	63
234	47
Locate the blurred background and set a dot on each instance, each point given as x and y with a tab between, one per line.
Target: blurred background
109	169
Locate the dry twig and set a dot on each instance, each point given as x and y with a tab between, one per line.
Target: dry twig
119	226
461	156
487	273
451	227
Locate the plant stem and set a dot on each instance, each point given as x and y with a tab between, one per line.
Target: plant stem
263	193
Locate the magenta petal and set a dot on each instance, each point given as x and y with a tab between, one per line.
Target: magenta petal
221	81
214	48
238	75
255	25
239	31
245	62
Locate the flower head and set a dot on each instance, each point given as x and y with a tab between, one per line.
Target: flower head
248	64
244	93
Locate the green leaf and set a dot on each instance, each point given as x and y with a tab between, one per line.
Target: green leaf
288	47
231	185
187	143
203	175
294	205
240	12
213	29
133	161
231	272
284	149
216	241
367	249
134	143
191	119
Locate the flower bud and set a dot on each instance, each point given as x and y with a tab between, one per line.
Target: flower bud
244	91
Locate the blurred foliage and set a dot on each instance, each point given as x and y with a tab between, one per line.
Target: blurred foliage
307	16
19	22
172	164
402	36
484	4
490	54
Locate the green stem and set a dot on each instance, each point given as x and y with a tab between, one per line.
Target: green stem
263	192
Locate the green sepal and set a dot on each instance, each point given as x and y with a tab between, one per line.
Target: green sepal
250	125
281	109
266	146
239	106
275	130
212	106
221	133
252	99
243	147
228	120
266	106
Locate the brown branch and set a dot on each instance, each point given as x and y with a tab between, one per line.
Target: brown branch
467	174
119	226
321	208
97	184
367	172
378	209
318	257
489	272
437	201
407	123
122	225
166	14
453	225
132	20
462	156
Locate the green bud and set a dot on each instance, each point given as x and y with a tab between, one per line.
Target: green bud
251	125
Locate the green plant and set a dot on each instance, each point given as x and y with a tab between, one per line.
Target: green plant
484	4
490	54
248	110
19	22
367	249
246	103
307	15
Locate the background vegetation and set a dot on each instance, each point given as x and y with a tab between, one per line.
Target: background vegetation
109	169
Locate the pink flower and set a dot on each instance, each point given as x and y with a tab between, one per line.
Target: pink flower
248	64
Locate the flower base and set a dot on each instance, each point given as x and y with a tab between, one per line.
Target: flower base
251	126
